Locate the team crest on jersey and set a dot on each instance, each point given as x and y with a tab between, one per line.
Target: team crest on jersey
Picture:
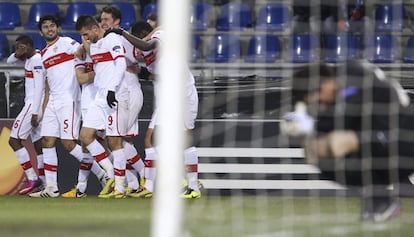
55	49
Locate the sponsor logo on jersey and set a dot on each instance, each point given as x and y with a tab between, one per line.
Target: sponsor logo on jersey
117	49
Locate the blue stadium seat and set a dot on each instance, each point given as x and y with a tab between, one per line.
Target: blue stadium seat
128	14
75	9
273	17
4	47
38	10
149	8
9	15
408	56
223	48
74	35
200	13
38	41
341	47
263	49
234	16
381	48
302	48
195	46
389	17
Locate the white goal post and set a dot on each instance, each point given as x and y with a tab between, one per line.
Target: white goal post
167	211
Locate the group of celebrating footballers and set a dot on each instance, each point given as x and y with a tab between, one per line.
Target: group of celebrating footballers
90	92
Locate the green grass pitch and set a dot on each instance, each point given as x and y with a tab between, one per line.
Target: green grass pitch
247	216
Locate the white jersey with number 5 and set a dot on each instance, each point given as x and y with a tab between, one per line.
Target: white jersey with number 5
62	113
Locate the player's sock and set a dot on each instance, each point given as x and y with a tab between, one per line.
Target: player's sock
97	170
24	159
77	152
119	169
111	157
133	158
50	166
131	178
84	171
40	168
150	170
191	162
99	154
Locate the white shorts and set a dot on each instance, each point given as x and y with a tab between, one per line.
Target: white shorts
99	133
22	126
84	111
61	120
190	111
191	108
101	117
135	102
87	96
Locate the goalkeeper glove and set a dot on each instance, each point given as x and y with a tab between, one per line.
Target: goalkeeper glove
297	123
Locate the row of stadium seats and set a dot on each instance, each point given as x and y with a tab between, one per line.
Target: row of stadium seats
10	16
277	16
270	16
268	48
303	48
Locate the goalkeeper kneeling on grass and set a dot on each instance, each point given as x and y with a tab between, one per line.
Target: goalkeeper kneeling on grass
358	128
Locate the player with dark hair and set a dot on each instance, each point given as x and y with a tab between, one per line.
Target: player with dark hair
357	128
152	19
111	17
149	52
28	120
109	109
62	112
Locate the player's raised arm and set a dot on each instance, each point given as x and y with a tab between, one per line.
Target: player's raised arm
137	42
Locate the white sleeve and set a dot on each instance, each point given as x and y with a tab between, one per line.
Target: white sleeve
13	60
73	45
39	81
118	54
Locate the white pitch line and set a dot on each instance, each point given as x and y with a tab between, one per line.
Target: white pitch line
250	152
270	184
258	168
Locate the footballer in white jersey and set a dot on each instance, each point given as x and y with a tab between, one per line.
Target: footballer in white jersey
190	110
28	120
109	110
135	94
111	17
62	112
108	77
34	91
191	96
